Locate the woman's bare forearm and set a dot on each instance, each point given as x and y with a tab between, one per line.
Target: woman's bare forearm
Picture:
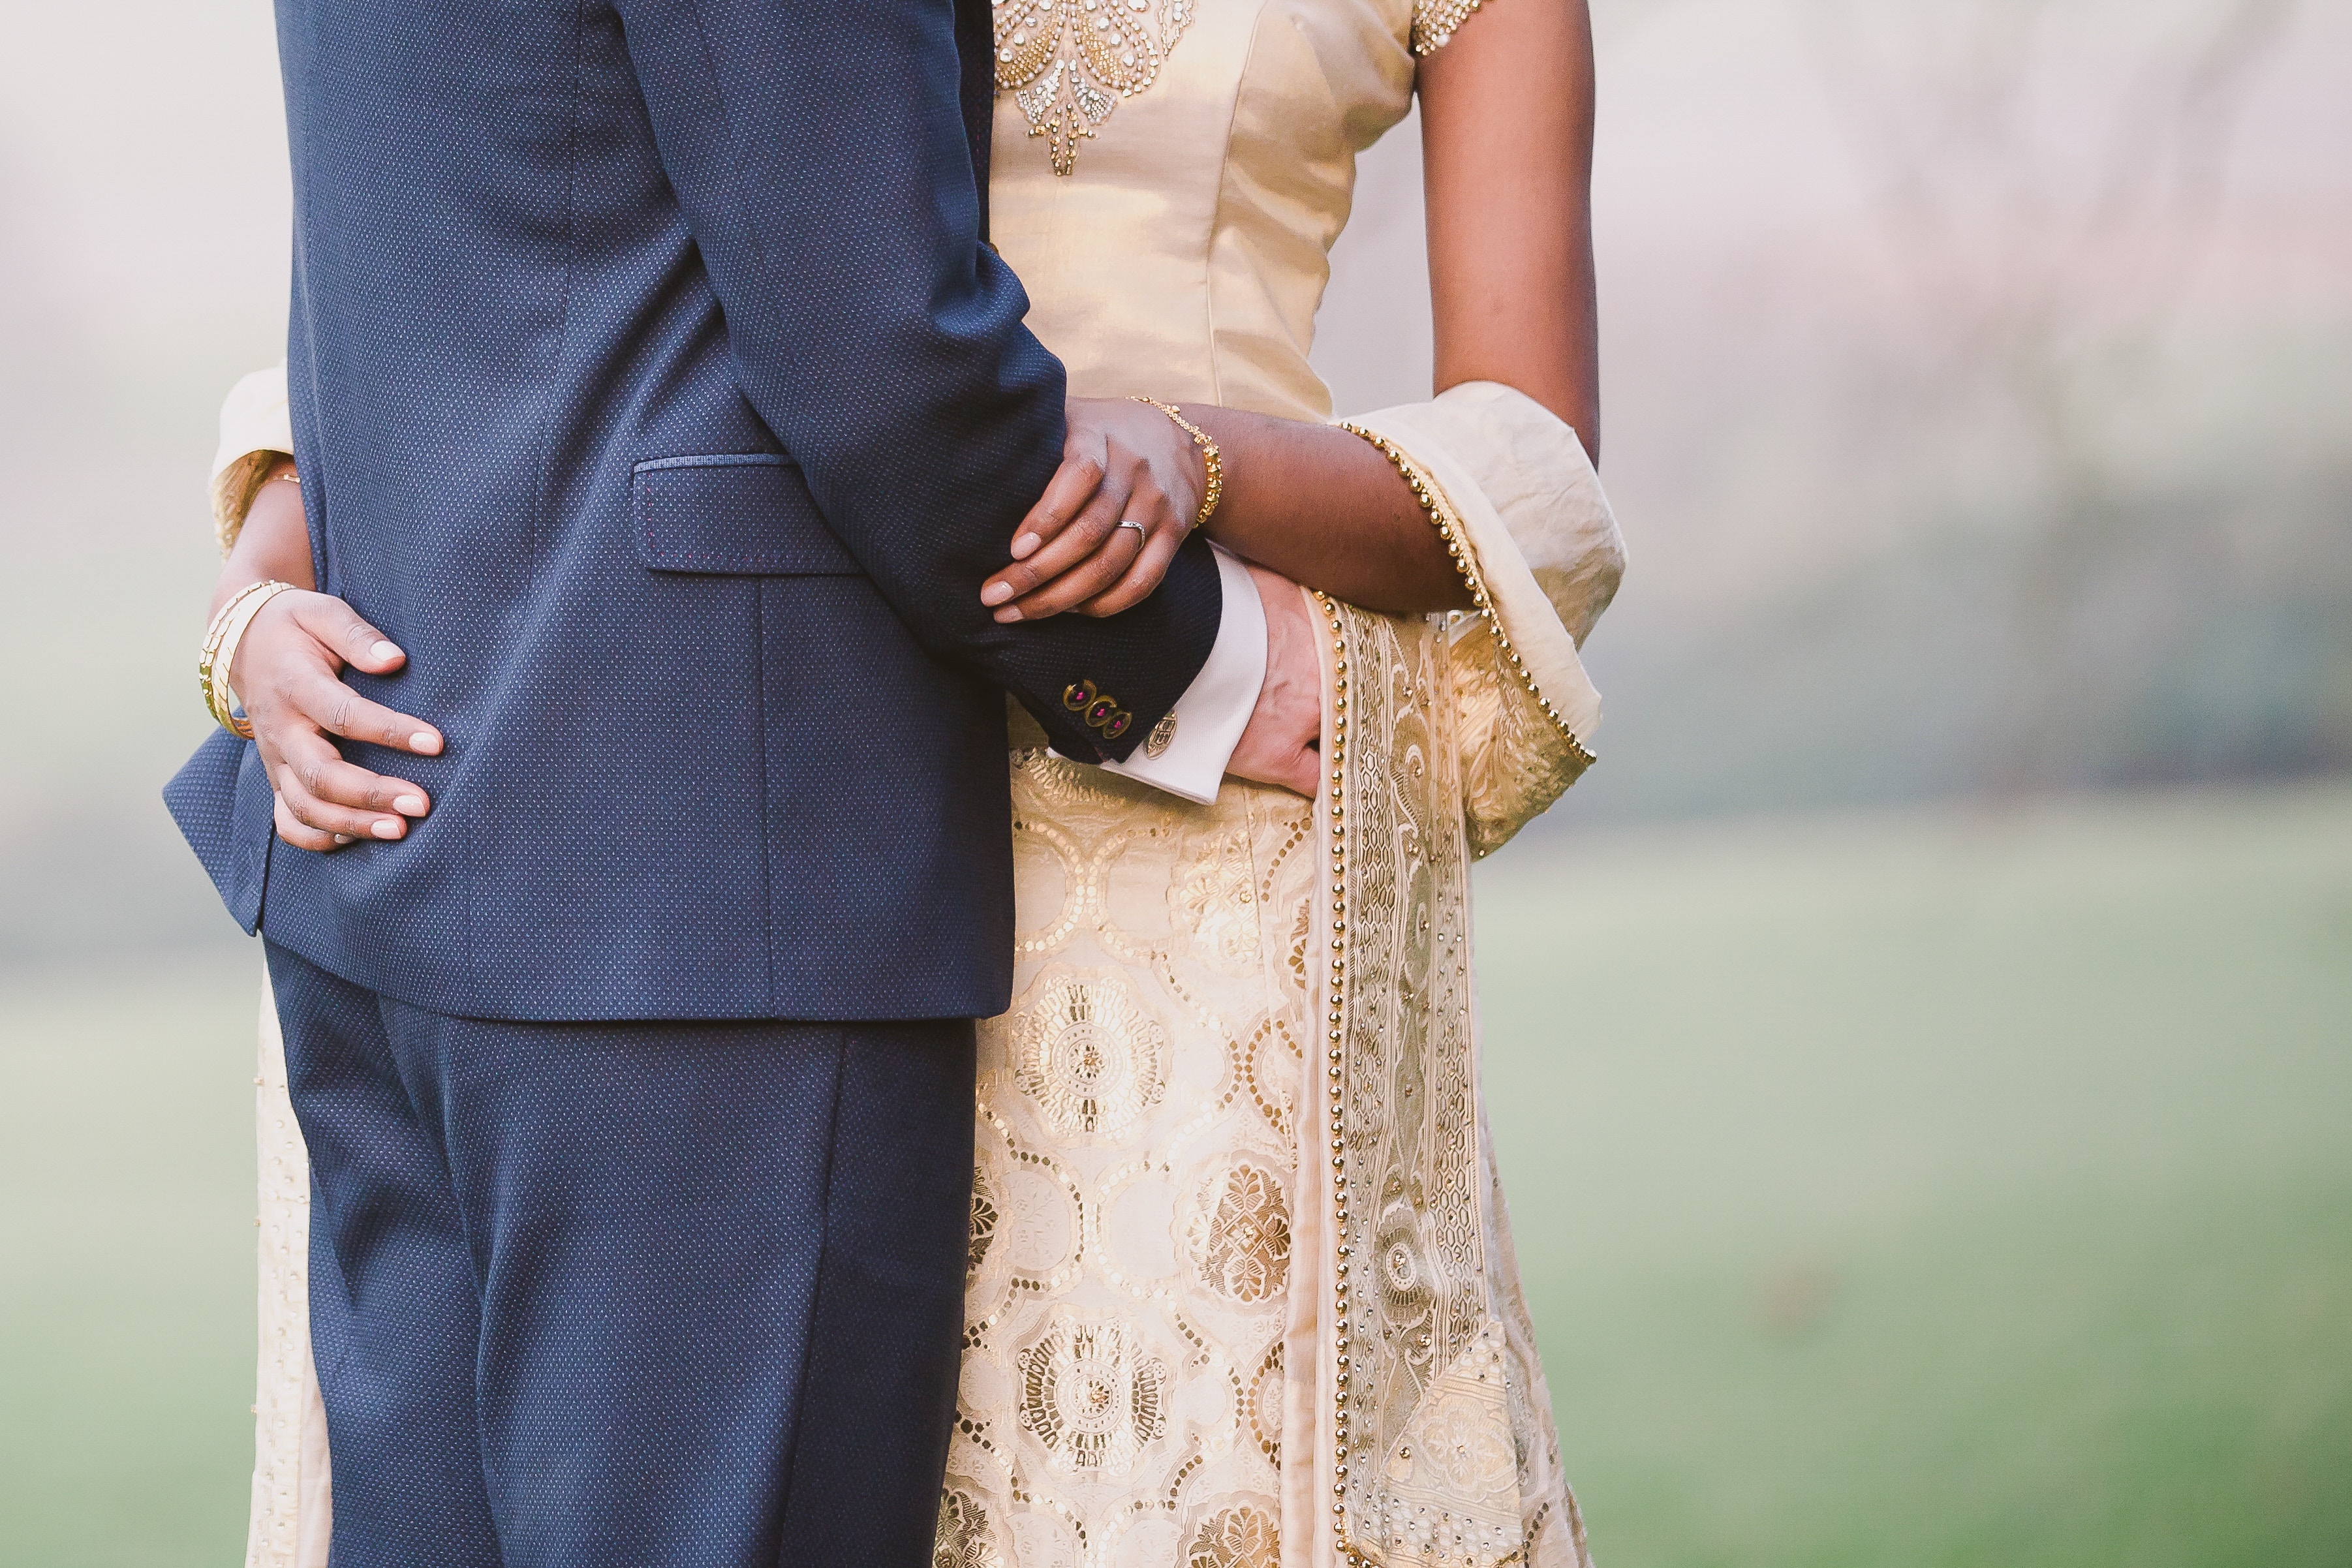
274	545
1325	509
1507	112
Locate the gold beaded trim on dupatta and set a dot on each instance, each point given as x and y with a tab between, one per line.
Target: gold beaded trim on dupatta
1439	512
1068	62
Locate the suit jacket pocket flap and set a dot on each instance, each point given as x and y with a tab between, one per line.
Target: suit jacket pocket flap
735	513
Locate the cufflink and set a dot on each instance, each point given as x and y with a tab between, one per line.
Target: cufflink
1162	735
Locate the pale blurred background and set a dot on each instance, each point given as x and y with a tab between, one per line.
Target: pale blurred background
1921	1050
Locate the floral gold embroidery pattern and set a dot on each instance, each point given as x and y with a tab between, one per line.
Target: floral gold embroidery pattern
1240	1234
1235	1538
1068	62
1217	903
963	1538
984	1212
1094	1394
1090	1057
1123	1376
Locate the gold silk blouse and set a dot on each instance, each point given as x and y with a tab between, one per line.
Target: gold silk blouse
1184	250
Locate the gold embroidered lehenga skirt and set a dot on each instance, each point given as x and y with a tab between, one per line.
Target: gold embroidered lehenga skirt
1152	1361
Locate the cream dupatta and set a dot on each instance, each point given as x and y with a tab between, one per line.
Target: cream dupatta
1431	1433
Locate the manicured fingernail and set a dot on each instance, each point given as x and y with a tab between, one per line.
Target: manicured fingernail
410	805
1008	615
385	650
342	837
424	741
387	829
1023	546
996	593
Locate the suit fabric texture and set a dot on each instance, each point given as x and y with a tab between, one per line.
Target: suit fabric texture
653	388
604	1296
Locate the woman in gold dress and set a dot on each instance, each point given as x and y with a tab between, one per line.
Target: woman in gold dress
1240	1288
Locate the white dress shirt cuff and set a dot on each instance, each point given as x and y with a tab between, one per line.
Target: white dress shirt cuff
1216	707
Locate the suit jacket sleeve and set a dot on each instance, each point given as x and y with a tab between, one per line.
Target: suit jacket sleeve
819	154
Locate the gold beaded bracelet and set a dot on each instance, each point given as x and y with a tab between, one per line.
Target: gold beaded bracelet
219	655
1433	507
1211	460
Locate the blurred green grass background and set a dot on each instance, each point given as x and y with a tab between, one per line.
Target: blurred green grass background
1944	1189
1926	1188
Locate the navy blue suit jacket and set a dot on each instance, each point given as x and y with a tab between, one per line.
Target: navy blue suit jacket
653	388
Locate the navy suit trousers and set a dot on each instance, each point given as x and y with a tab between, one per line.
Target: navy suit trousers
644	1295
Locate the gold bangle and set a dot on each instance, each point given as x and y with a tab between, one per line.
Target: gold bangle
1212	461
213	666
1440	513
219	655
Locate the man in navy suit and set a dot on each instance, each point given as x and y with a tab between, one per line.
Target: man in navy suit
654	390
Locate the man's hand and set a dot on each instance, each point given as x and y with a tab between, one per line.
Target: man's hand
1282	744
1100	537
288	675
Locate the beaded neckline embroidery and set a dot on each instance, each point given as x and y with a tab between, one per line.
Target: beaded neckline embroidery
1068	62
